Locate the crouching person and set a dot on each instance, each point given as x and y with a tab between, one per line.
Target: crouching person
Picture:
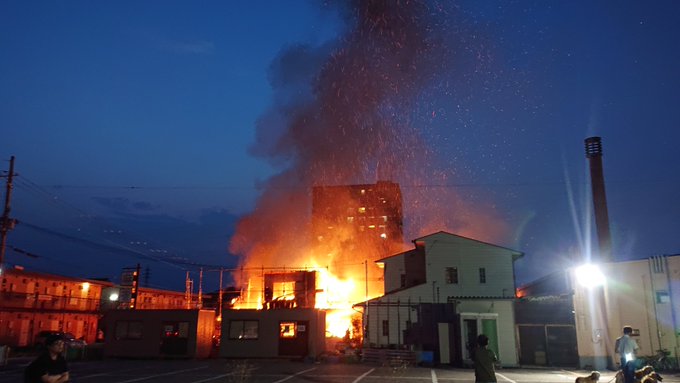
50	366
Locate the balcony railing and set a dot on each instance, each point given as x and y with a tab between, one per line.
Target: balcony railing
9	300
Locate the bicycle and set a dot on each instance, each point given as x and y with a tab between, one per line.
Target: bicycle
662	361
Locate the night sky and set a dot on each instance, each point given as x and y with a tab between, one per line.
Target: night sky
143	131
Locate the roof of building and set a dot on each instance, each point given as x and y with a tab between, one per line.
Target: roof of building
54	277
381	299
515	253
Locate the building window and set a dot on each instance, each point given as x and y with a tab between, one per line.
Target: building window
386	328
451	275
128	330
663	297
175	329
243	329
287	330
403	280
482	275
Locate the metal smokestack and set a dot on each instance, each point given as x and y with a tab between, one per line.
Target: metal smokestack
594	155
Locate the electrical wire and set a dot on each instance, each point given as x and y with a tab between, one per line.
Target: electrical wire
104	226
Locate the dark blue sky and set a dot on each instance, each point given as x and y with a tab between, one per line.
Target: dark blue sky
134	124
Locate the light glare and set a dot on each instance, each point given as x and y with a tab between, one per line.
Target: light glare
589	276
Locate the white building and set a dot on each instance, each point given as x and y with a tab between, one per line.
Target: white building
441	295
642	294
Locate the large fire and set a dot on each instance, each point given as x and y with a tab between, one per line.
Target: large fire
333	294
337	295
345	113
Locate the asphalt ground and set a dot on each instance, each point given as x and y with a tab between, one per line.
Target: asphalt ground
276	371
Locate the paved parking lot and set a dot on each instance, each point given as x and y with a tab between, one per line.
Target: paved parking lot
266	371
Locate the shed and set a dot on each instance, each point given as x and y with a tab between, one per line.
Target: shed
287	333
159	333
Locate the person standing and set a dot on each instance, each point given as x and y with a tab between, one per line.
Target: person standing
50	366
484	359
626	347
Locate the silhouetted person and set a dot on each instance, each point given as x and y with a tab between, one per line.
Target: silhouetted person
484	359
50	366
626	347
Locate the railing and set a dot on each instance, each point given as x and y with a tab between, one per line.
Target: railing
10	300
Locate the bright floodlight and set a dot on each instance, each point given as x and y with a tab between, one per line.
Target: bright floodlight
589	276
113	297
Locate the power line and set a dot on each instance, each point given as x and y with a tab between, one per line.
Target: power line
403	185
96	220
107	247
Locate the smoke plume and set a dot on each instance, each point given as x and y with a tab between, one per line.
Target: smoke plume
356	111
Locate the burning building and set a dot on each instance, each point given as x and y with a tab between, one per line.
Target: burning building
295	289
372	213
351	226
356	225
343	113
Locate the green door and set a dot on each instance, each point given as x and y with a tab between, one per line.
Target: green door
489	329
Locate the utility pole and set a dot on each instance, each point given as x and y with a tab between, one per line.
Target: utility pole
220	298
366	277
188	291
7	223
200	289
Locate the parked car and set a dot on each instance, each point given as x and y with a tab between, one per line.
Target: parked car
69	339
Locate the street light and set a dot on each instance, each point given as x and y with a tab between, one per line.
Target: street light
589	276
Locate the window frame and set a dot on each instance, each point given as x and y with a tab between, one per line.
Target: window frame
243	333
291	330
663	297
451	275
123	331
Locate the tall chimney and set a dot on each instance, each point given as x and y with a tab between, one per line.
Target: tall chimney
594	155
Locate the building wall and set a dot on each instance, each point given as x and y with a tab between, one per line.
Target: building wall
468	256
266	345
546	331
642	294
368	210
146	338
396	312
394	268
389	315
32	302
358	224
148	299
507	342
